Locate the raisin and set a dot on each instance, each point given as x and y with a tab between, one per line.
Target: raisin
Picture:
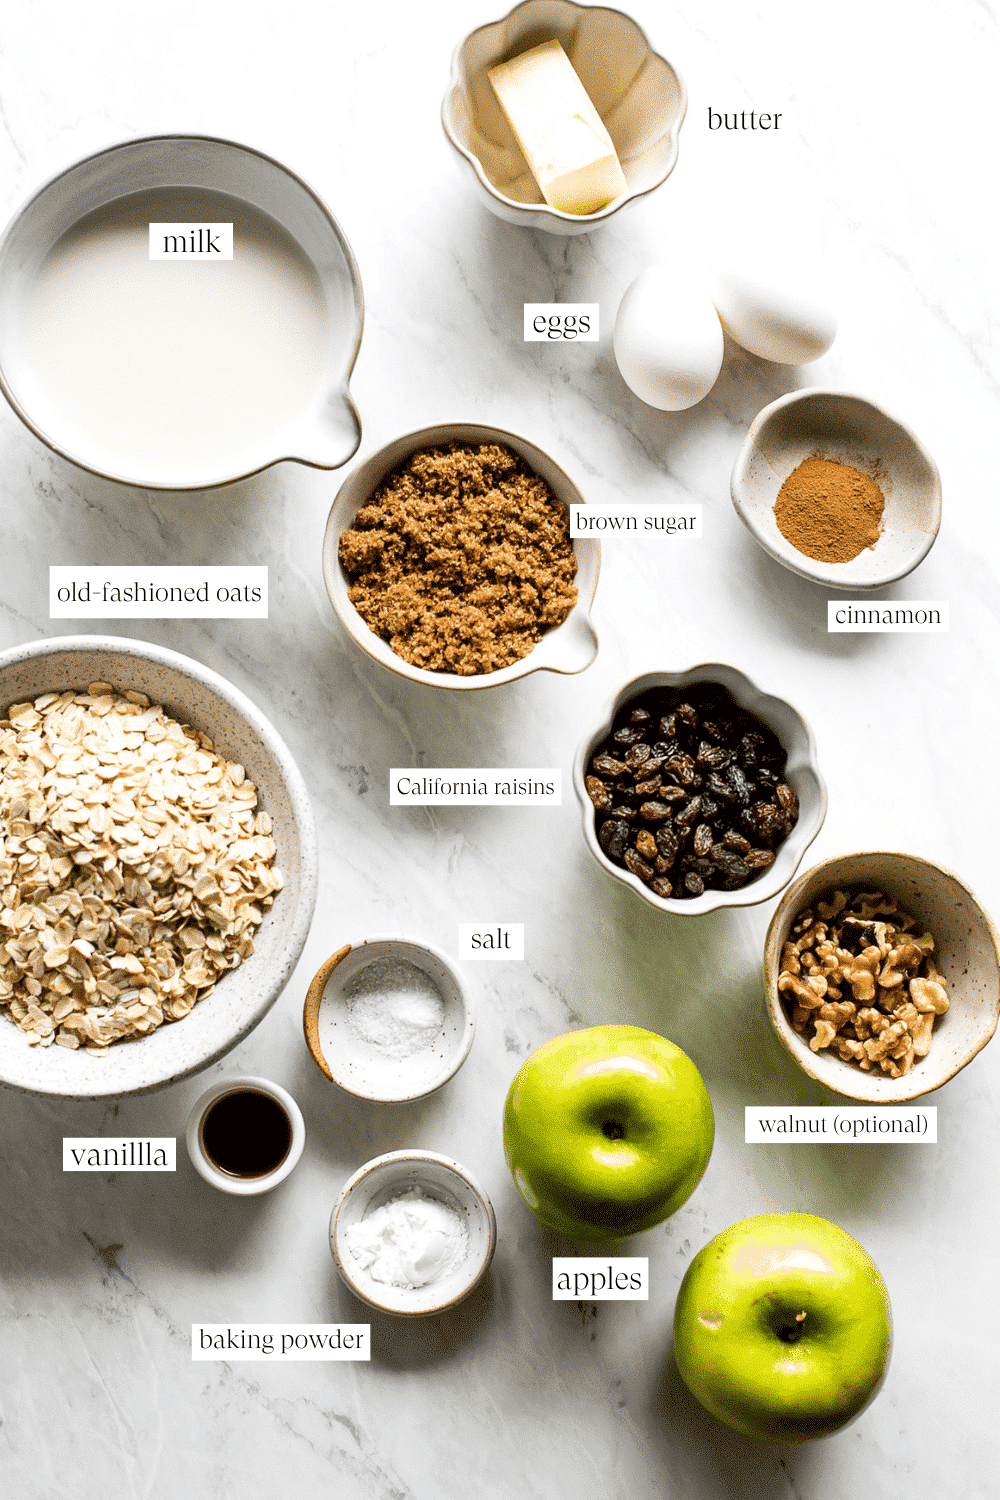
637	756
759	859
751	745
720	788
624	812
647	788
733	871
597	792
787	798
689	814
769	821
606	765
613	837
646	844
668	844
638	865
683	767
702	839
688	782
739	784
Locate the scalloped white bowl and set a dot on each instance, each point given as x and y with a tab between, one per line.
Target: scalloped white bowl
636	92
801	773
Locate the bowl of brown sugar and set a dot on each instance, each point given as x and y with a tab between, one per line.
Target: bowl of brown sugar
837	490
448	558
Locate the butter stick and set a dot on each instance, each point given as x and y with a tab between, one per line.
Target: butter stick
564	141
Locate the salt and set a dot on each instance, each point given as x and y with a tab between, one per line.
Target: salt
394	1006
410	1241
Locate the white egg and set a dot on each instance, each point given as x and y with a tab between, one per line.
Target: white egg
774	313
668	339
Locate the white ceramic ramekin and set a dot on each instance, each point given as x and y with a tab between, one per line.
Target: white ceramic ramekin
226	1182
850	430
385	1178
354	1064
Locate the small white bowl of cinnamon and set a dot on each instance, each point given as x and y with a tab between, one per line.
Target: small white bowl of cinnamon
837	490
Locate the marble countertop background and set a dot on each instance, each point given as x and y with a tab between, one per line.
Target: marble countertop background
880	175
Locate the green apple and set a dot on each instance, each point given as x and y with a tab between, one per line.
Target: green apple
607	1131
782	1327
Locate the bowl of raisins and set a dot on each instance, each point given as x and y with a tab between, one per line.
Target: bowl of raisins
699	790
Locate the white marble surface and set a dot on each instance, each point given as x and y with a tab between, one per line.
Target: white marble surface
881	170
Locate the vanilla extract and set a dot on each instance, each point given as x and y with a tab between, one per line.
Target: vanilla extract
246	1133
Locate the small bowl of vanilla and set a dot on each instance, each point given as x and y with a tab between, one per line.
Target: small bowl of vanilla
388	1019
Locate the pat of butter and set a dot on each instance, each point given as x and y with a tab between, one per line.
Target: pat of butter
564	141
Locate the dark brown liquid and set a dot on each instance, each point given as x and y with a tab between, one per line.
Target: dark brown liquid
246	1133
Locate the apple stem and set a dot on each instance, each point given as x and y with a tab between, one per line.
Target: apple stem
614	1130
791	1334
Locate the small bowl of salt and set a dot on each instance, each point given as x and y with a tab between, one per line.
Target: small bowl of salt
412	1233
388	1019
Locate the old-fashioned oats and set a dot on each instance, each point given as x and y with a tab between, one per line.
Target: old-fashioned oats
134	866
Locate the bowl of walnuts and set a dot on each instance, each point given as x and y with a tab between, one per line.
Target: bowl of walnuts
882	975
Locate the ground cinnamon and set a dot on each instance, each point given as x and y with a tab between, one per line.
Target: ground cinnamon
829	511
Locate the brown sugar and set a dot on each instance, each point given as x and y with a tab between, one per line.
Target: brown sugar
461	559
829	511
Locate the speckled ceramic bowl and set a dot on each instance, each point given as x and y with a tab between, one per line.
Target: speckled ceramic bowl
362	1067
637	94
801	773
385	1178
849	430
967	952
198	696
569	648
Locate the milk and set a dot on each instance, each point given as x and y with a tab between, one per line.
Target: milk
172	371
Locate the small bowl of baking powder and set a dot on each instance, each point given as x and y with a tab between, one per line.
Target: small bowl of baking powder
388	1019
412	1233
